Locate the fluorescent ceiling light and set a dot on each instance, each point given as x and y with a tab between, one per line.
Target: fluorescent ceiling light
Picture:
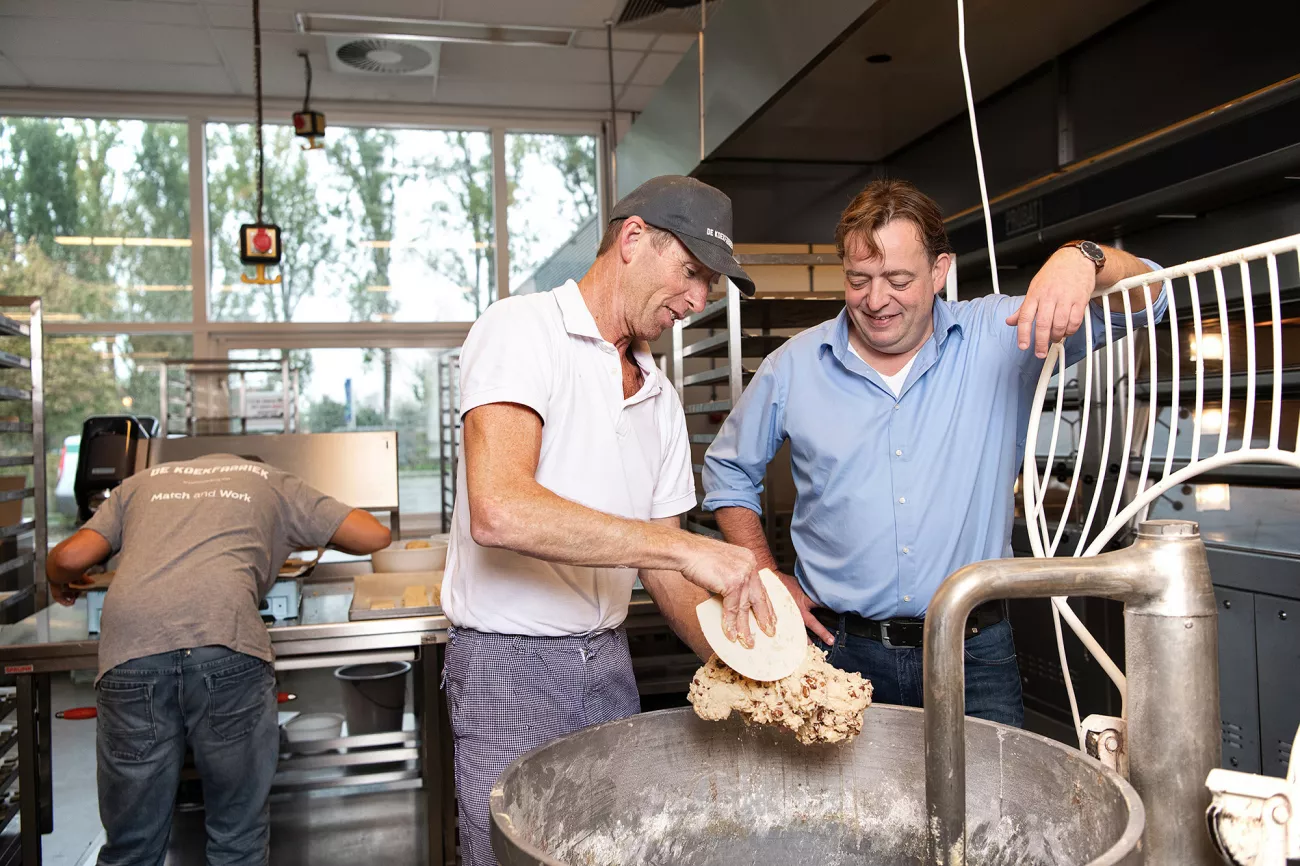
379	288
82	241
430	30
1213	497
1208	348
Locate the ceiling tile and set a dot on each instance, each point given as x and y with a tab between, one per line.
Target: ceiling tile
655	68
11	76
239	17
530	94
137	11
547	13
116	75
622	39
674	43
48	38
498	63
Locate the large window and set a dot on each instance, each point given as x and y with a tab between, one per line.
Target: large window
381	225
94	374
372	389
94	217
552	217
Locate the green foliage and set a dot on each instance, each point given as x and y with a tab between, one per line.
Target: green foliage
468	175
293	201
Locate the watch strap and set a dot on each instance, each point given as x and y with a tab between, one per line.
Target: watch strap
1078	245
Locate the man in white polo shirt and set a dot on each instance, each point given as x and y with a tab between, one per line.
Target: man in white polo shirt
575	467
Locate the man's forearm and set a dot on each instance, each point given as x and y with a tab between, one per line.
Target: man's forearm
1121	265
677	598
743	527
536	522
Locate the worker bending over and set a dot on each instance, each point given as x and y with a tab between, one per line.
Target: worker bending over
184	658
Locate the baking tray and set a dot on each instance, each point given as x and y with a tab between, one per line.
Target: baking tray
369	587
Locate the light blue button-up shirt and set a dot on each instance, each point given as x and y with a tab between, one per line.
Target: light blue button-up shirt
893	494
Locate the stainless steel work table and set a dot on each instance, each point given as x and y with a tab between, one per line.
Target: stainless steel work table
56	640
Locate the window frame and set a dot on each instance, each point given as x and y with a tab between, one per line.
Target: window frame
212	339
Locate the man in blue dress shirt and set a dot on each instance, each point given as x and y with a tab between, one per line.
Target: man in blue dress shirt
906	417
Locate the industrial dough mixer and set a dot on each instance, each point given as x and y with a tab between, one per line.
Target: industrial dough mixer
666	788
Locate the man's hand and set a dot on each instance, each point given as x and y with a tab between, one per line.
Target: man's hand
731	572
812	623
1057	300
64	593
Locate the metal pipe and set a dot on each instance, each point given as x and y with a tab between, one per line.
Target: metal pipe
1171	650
704	19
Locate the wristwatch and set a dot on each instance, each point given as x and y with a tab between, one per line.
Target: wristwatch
1091	251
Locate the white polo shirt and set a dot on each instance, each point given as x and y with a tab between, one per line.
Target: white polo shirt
628	457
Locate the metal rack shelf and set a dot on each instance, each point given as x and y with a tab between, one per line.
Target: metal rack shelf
449	432
719	346
211	377
23	541
728	332
14	362
770	311
13	328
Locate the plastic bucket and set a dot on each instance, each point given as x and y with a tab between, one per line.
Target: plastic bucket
374	696
304	728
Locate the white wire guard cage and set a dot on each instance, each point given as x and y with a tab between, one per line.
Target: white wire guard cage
1133	380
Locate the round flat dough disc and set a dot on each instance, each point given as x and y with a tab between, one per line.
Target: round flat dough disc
771	658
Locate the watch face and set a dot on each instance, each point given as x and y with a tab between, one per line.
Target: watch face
1092	251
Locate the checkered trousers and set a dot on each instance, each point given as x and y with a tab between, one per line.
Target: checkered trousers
509	694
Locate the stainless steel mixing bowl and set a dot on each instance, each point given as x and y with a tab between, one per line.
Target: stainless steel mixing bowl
666	789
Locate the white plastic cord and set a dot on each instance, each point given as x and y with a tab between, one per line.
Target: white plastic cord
1275	425
1034	485
1226	383
975	138
1248	307
1198	340
1153	409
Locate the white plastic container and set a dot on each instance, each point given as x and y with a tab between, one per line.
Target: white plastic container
396	559
304	728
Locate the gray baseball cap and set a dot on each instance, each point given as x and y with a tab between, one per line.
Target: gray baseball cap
697	215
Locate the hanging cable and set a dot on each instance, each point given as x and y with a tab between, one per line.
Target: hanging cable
612	138
704	20
975	138
306	100
257	83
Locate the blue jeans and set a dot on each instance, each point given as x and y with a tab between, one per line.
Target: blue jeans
219	702
992	675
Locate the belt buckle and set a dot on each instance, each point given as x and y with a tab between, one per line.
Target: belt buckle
884	637
903	642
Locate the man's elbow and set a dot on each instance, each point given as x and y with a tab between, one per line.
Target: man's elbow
380	538
56	563
490	521
376	537
361	534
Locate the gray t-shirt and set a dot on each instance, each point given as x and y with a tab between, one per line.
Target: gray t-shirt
201	543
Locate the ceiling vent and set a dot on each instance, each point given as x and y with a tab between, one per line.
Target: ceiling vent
376	56
664	16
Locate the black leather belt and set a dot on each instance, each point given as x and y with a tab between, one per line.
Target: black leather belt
904	632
